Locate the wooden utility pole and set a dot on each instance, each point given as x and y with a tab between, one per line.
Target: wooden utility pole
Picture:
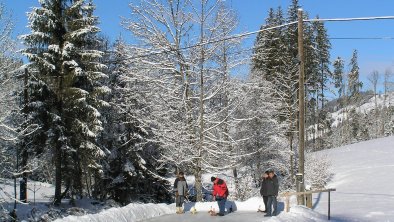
301	93
301	107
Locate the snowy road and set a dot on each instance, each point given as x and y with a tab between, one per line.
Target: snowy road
200	217
364	179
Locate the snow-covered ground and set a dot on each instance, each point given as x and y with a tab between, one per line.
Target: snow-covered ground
246	214
364	179
40	208
42	197
244	211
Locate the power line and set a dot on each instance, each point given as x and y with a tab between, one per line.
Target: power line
209	42
362	38
349	19
270	28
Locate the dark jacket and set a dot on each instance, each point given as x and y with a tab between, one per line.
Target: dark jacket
263	187
272	186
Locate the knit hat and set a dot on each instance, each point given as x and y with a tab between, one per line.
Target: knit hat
213	179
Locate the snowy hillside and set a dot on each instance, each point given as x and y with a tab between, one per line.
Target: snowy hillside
364	182
365	108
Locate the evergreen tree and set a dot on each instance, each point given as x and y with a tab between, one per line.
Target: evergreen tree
354	83
276	60
312	82
292	33
338	73
323	47
59	48
318	79
267	54
131	171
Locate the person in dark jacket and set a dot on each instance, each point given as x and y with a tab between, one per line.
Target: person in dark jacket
272	193
181	188
220	194
263	190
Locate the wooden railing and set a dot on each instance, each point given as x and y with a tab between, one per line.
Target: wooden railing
288	194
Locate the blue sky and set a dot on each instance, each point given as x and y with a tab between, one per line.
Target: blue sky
373	54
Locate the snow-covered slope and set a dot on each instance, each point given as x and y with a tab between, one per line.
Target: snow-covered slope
364	179
365	108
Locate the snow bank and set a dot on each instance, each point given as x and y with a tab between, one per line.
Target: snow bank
299	213
131	213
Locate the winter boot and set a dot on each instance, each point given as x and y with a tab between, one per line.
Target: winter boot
179	210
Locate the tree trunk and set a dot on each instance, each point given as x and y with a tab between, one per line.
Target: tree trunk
58	150
201	110
59	37
58	173
25	153
198	181
236	183
291	158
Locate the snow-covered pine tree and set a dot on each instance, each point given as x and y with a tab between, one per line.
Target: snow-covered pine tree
278	63
338	76
131	171
323	47
58	48
354	83
319	76
284	63
266	54
312	84
279	69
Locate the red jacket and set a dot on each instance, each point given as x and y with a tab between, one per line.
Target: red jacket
219	188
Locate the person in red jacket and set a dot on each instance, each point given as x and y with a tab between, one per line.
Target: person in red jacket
220	194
